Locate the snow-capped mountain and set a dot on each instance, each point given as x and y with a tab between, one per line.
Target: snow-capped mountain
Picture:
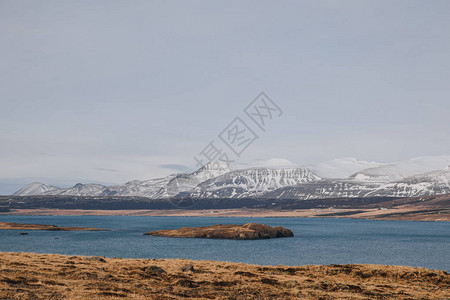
342	167
80	189
427	184
165	187
35	188
186	183
251	182
323	189
147	188
218	180
403	169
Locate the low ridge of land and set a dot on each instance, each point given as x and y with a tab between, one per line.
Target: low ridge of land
50	276
430	208
20	226
249	231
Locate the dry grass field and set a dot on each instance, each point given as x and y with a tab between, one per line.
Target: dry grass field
44	276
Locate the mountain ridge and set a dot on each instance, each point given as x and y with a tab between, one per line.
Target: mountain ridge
218	180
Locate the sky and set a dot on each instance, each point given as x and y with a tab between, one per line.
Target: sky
111	91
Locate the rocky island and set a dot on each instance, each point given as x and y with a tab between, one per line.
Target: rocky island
20	226
249	231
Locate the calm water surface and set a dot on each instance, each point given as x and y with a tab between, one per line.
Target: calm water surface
316	241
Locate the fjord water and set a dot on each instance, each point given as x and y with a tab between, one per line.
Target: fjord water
316	241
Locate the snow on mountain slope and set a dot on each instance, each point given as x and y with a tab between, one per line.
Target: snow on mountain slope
427	184
155	188
243	183
171	185
399	170
35	188
185	183
79	190
342	167
323	189
217	180
147	188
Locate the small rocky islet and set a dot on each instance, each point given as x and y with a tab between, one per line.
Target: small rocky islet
249	231
21	226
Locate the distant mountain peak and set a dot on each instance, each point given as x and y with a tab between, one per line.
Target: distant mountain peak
399	170
35	188
216	165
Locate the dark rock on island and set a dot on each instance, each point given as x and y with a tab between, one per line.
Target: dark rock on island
249	231
187	268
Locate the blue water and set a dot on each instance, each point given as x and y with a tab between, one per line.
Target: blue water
316	241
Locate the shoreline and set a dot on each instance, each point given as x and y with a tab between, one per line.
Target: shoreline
413	213
36	276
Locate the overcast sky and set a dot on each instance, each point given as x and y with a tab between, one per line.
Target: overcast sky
118	90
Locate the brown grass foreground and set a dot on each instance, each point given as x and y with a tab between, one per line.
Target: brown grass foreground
50	276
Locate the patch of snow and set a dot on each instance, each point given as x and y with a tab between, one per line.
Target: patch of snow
342	167
403	169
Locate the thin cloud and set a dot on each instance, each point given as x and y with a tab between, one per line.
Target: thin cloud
175	167
106	170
